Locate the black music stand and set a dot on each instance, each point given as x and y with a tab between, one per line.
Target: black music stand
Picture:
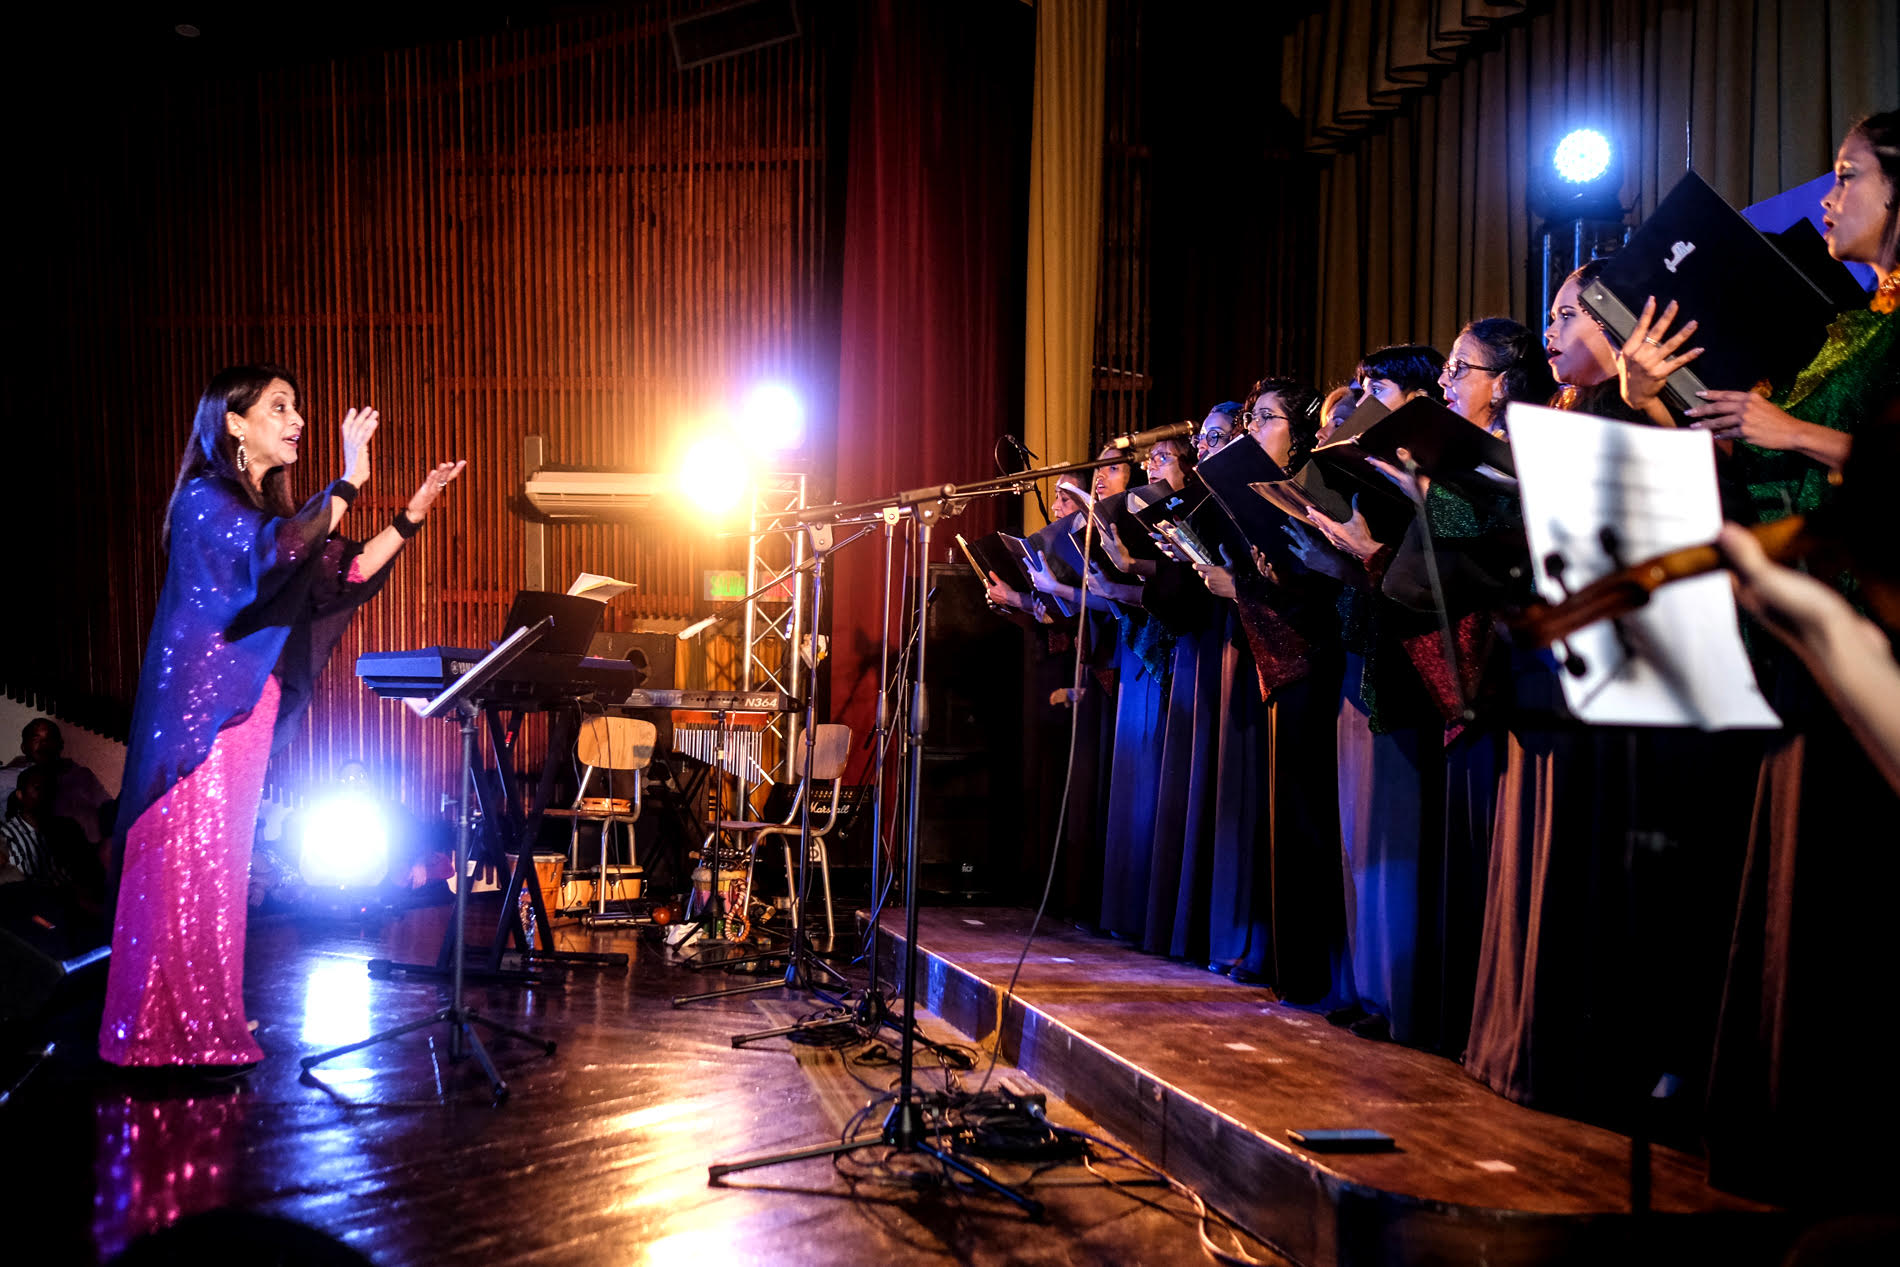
500	809
460	1018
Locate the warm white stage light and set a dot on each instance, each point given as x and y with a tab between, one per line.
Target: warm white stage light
1582	156
714	475
345	843
772	419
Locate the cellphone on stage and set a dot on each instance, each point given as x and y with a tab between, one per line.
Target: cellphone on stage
1352	1139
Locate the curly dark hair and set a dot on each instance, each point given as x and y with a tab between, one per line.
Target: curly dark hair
1301	403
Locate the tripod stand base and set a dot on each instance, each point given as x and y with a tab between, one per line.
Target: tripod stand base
798	976
383	969
462	1024
904	1132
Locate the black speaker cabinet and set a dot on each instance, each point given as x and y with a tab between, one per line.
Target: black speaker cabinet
970	827
37	958
653	652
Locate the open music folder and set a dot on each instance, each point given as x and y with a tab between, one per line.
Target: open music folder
1589	483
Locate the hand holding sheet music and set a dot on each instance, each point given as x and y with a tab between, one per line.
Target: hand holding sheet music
1599	496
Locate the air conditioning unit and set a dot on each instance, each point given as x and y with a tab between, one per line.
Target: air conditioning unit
555	493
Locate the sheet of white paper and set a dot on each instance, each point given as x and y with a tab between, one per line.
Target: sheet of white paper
593	585
1679	660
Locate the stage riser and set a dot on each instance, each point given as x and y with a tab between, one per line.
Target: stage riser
1288	1199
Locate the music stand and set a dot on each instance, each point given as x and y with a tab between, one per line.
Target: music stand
461	1019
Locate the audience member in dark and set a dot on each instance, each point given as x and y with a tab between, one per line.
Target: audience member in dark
50	851
77	792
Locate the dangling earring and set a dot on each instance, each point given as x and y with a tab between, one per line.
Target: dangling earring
243	458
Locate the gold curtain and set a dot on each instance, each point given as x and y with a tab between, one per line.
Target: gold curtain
1065	225
1353	62
1424	215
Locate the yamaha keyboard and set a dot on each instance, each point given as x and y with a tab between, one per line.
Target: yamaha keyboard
713	701
544	677
534	678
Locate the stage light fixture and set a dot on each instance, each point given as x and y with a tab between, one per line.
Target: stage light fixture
345	842
1581	178
1582	156
772	419
715	473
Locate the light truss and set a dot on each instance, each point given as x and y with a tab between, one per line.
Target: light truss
775	621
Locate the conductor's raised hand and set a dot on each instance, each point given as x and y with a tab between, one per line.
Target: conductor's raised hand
438	479
358	426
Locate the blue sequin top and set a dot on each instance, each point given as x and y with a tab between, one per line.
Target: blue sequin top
246	594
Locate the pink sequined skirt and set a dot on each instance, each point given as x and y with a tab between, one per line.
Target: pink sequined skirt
175	991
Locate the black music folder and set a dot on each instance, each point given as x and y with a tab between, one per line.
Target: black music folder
1104	513
1188	519
576	620
989	554
1229	474
1119	511
1040	542
1443	444
1806	249
1761	316
1059	550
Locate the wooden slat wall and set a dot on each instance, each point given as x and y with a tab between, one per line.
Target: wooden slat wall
552	231
1123	361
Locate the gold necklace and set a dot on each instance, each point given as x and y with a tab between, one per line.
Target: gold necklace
1887	294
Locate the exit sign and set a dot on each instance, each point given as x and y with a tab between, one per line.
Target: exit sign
722	585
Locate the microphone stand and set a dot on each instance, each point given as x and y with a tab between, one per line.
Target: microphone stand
905	1129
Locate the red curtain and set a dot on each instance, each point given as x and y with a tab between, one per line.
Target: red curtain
930	358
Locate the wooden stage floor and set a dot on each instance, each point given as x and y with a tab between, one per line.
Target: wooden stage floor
1206	1077
598	1157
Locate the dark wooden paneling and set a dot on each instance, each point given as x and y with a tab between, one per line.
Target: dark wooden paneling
544	231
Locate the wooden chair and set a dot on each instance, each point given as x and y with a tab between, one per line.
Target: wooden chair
831	750
615	745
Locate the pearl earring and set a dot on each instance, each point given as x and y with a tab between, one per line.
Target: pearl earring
243	458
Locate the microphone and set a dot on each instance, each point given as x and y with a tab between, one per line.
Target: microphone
1154	435
686	634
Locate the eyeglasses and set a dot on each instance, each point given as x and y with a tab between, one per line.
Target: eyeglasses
1160	457
1457	369
1212	439
1254	417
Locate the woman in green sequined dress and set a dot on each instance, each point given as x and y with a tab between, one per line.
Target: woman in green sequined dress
1802	1106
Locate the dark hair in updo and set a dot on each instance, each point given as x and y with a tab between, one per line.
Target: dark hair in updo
212	449
1518	352
1881	132
1604	399
1302	410
1413	366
